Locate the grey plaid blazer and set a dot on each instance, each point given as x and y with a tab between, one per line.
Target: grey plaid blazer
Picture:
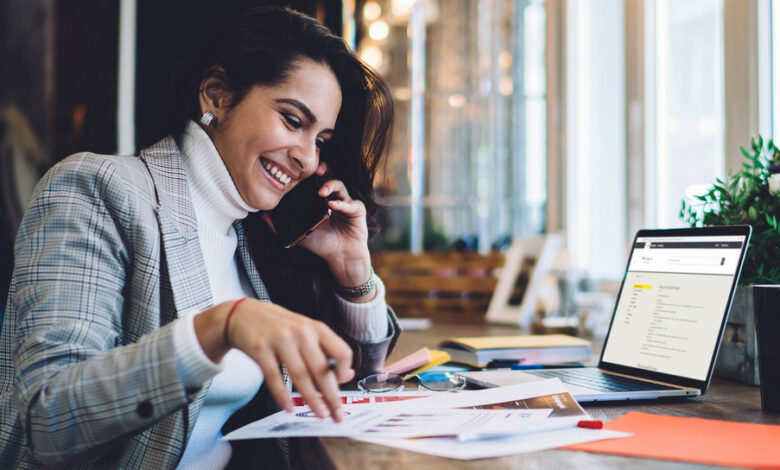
106	257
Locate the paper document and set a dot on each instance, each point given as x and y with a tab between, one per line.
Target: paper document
353	397
484	449
382	421
558	429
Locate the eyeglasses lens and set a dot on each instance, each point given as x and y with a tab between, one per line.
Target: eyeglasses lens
380	383
442	381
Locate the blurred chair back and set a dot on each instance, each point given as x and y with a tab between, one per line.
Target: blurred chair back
439	284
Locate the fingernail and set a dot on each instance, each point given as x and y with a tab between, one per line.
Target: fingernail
338	415
322	411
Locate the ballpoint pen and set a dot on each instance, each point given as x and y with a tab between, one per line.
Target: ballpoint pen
575	365
563	424
502	363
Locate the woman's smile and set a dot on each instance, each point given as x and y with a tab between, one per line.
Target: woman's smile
277	174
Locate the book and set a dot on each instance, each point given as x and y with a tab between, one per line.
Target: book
528	349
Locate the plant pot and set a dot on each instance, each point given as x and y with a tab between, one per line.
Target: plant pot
737	359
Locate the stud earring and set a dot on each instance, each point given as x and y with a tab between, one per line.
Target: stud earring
207	119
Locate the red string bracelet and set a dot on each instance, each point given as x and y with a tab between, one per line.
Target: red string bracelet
230	314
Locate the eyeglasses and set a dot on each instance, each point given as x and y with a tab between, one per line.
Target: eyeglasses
435	381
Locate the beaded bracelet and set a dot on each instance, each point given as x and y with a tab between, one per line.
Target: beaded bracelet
358	291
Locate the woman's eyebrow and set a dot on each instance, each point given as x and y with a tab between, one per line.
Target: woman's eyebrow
302	107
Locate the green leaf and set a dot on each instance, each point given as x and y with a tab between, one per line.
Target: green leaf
744	198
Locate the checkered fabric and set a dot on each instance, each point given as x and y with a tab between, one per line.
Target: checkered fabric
107	257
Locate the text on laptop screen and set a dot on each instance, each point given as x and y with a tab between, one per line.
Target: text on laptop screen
672	304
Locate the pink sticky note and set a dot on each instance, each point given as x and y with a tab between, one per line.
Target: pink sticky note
412	361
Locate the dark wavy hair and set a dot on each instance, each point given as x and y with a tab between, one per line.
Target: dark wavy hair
260	46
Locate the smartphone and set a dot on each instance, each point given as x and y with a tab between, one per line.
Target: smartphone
300	212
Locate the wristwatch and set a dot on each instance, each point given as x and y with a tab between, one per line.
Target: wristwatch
358	291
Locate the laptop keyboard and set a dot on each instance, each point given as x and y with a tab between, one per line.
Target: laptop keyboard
597	380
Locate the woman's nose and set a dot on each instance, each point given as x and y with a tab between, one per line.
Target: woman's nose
306	156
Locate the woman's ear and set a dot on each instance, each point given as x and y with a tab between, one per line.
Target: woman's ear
215	95
322	168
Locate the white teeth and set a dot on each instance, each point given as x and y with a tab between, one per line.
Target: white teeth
276	172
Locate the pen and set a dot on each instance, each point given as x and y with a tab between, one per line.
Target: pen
483	436
590	424
575	365
502	363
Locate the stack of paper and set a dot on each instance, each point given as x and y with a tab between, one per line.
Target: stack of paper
464	425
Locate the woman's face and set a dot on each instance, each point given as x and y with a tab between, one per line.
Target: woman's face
270	141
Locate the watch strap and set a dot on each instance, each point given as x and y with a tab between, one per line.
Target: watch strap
358	291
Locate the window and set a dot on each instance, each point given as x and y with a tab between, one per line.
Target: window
685	103
595	142
469	153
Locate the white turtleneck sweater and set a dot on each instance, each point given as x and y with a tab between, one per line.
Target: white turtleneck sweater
237	378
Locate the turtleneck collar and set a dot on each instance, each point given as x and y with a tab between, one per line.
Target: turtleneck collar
215	197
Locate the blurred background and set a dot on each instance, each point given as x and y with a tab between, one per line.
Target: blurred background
514	118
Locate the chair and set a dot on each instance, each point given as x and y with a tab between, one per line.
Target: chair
439	284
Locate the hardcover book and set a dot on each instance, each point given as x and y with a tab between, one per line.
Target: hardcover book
528	349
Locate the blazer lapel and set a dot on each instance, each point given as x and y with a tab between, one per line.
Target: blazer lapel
187	277
189	280
261	292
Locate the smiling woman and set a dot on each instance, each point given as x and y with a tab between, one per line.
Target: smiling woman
271	139
151	303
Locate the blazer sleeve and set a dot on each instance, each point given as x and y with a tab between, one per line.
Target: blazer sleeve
370	350
78	389
370	357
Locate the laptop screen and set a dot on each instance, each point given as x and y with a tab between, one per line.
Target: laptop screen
672	304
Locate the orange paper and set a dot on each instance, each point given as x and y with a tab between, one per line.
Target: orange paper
706	441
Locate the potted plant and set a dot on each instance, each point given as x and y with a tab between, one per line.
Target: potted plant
751	196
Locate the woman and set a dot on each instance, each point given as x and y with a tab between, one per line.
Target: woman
139	319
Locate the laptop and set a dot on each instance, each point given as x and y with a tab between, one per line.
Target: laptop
668	321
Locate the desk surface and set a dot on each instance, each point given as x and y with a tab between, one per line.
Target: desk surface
725	399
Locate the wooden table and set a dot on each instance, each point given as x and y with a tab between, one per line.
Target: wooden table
725	399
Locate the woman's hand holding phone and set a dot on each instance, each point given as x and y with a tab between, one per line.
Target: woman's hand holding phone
342	241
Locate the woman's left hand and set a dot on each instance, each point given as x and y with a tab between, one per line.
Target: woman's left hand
342	241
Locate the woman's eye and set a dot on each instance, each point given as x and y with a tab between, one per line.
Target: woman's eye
292	121
320	142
